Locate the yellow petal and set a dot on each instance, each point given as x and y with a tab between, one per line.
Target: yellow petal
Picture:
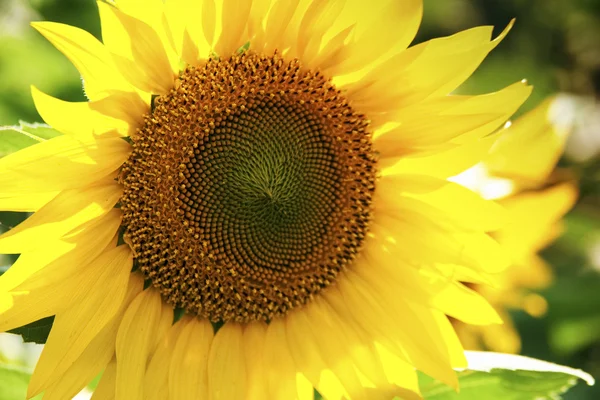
67	211
26	202
176	23
505	102
463	273
153	13
234	19
423	286
188	38
534	305
465	304
121	112
106	387
442	164
164	324
308	359
473	56
451	202
283	379
61	163
31	262
415	74
430	131
188	373
352	342
304	389
96	355
254	344
534	272
137	50
226	364
134	345
144	10
316	364
439	296
382	333
503	338
256	24
156	381
314	24
51	288
209	19
399	373
336	375
74	329
416	341
530	147
440	243
458	120
333	52
277	24
389	26
89	56
421	239
530	218
448	336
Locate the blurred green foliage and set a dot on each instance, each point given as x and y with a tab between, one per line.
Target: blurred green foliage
14	381
555	45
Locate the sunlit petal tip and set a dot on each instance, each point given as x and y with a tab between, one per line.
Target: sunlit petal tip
86	118
88	55
137	50
234	20
317	181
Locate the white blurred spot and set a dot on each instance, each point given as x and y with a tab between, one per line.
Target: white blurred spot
85	394
15	16
563	112
594	254
14	349
479	180
584	142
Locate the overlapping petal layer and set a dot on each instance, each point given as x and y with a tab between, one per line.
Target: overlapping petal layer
363	337
518	172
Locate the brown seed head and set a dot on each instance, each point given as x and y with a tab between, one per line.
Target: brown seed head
249	188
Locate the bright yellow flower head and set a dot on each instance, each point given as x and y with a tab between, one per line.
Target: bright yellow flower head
518	173
277	170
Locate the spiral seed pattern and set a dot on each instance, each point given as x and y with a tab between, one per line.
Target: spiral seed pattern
249	188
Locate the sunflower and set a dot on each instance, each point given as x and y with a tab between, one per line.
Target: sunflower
254	203
520	174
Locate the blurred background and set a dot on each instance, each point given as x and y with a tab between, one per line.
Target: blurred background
555	45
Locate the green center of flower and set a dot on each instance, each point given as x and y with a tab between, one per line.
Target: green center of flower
264	186
249	188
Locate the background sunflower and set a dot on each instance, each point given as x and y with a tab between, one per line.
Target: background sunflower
556	46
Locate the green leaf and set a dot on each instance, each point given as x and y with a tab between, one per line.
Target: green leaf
16	137
36	332
506	377
570	335
13	382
